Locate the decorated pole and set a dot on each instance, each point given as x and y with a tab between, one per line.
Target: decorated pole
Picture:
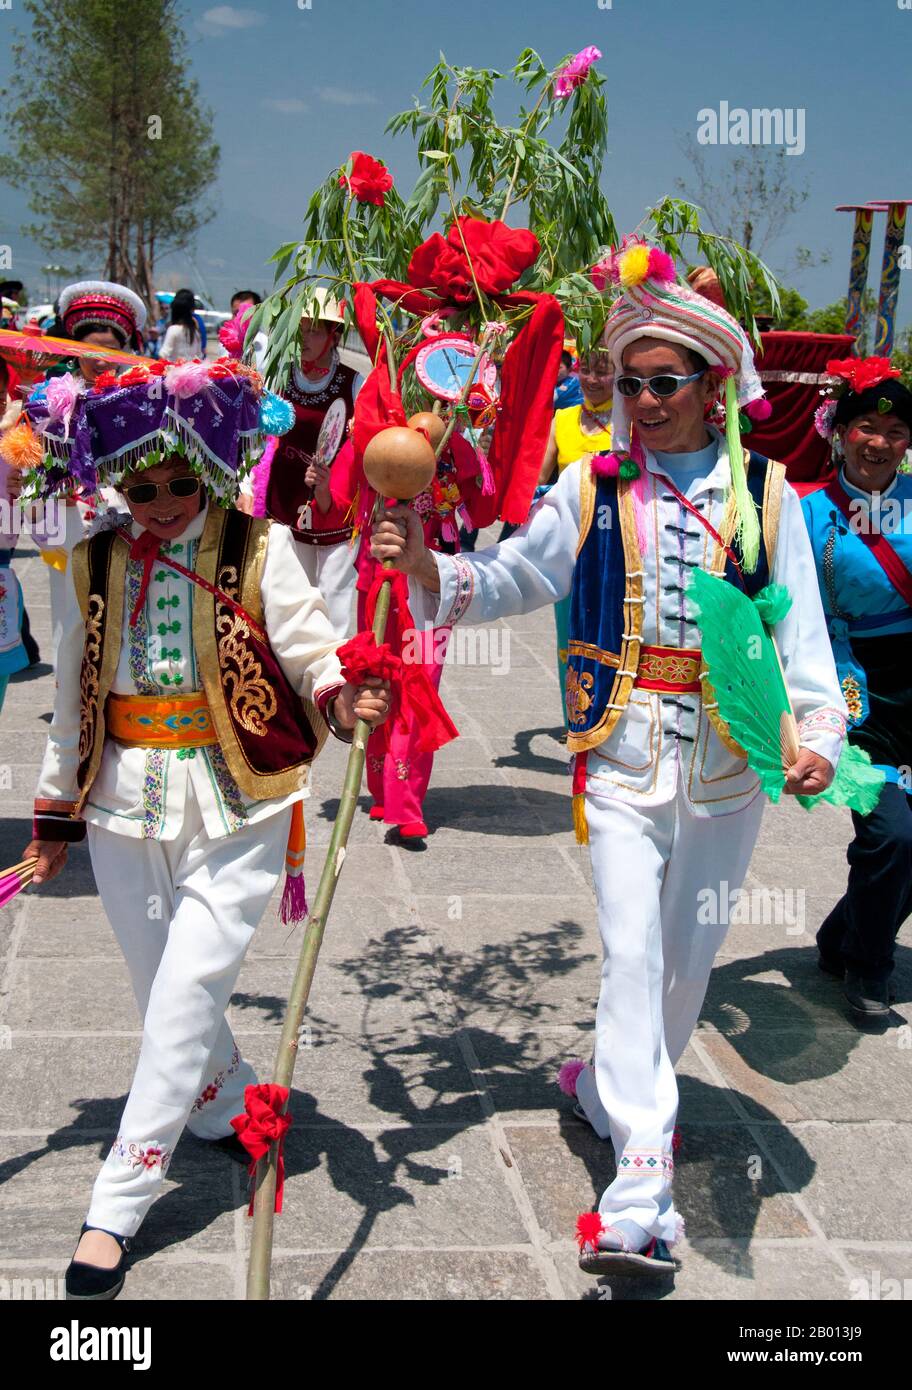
889	275
858	268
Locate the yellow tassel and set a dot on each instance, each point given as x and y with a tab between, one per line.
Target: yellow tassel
57	559
580	824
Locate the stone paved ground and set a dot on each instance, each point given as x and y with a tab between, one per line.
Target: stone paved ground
432	1155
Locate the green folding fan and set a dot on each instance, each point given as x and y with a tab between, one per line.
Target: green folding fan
746	675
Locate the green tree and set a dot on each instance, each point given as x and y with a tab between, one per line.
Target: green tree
118	157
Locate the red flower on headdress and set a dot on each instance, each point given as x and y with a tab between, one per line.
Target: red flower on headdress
369	180
499	255
860	373
219	370
136	376
105	381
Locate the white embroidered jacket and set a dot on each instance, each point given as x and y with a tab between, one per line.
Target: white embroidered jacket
660	738
143	792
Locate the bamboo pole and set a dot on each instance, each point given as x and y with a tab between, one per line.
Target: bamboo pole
267	1167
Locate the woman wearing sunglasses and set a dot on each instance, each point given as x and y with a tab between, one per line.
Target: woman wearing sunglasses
662	794
197	676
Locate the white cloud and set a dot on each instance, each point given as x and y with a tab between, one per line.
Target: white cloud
224	17
289	106
345	96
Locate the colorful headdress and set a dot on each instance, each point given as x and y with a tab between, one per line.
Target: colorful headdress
99	304
214	415
861	386
654	303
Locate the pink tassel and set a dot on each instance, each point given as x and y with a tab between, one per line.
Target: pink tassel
260	475
187	379
605	465
294	900
466	516
568	1075
448	530
487	477
759	409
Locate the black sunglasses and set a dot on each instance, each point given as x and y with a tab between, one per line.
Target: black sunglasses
147	492
663	385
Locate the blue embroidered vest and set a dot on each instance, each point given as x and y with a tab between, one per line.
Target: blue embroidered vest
606	608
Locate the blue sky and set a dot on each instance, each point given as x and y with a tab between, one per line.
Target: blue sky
294	90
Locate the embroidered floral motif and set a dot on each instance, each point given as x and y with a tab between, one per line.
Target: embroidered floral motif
153	793
823	718
644	1162
138	636
151	1155
210	1092
578	698
376	764
235	809
465	590
403	768
252	699
852	692
89	675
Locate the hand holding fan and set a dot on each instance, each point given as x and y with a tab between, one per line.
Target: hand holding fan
749	684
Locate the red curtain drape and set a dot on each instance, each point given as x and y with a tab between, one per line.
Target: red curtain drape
792	367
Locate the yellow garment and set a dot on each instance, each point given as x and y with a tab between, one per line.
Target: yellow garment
571	442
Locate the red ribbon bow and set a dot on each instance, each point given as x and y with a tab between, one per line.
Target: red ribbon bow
145	548
264	1123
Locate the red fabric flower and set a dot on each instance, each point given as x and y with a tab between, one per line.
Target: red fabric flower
362	656
219	370
862	372
136	376
499	254
369	180
105	381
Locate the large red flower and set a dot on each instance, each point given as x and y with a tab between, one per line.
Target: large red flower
862	372
499	255
369	180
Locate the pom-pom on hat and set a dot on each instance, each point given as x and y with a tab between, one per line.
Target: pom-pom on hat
214	415
100	304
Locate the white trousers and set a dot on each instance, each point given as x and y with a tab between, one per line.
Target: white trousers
330	568
184	912
649	869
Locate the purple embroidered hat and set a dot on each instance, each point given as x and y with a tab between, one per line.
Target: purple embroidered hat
213	415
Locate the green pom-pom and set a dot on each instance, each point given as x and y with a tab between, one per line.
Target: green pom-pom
744	422
629	470
772	603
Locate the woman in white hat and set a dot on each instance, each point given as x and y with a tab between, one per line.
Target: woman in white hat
294	487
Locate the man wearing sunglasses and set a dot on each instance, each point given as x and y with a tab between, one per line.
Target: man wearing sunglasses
662	793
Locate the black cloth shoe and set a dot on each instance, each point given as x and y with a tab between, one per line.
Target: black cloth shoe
868	999
232	1146
85	1282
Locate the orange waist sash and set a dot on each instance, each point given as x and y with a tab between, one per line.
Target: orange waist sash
153	721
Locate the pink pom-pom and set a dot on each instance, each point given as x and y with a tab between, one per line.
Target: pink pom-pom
568	1075
588	1229
606	465
232	334
187	379
661	265
760	409
61	396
